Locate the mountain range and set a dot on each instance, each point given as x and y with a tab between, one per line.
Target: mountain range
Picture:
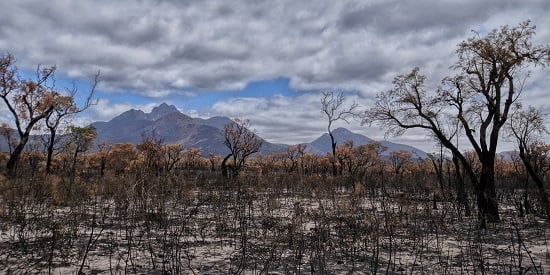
165	122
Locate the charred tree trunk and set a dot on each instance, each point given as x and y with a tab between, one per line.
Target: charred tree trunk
486	191
23	138
50	151
224	166
14	157
461	196
543	196
333	161
102	167
73	165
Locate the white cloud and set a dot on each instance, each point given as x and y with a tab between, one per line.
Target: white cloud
281	119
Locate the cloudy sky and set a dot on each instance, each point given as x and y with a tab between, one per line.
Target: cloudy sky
267	61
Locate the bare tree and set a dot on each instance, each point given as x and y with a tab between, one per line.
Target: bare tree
103	150
120	157
29	101
333	106
479	97
361	157
172	154
241	143
192	158
399	160
80	140
65	107
213	159
527	127
150	154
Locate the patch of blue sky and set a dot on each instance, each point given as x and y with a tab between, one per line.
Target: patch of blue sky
266	88
66	84
190	99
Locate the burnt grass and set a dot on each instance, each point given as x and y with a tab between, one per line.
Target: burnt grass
200	223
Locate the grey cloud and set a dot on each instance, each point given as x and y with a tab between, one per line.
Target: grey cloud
224	11
206	52
226	77
405	16
134	31
372	68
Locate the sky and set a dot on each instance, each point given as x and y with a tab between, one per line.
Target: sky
266	61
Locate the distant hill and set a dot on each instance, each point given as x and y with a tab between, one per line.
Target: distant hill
167	123
322	145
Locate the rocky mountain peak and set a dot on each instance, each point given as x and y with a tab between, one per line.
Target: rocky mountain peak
161	110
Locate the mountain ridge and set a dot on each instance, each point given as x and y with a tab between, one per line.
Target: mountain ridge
170	125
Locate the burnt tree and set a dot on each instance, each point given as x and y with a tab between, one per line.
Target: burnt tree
479	98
